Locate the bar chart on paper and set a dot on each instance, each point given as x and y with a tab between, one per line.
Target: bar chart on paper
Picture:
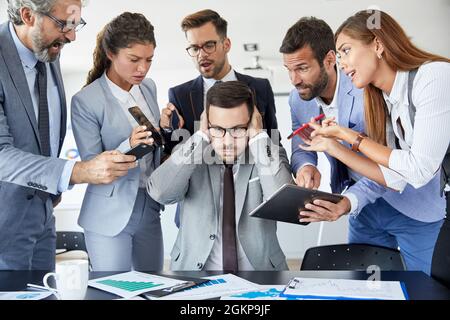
133	283
129	285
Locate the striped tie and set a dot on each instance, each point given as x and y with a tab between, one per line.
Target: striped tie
43	117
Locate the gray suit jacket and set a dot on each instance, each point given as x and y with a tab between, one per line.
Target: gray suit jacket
23	170
198	187
100	124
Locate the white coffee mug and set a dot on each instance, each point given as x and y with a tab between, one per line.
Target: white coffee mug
71	279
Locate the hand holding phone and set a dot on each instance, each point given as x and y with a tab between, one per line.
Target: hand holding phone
140	117
140	150
141	135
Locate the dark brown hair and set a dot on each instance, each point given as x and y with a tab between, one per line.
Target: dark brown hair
399	53
201	18
312	32
229	95
122	32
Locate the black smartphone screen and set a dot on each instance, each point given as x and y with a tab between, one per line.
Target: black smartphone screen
142	120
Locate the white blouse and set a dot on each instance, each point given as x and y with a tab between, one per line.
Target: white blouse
424	146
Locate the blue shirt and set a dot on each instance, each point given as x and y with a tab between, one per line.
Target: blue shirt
29	62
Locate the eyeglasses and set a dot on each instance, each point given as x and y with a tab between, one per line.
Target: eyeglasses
207	47
219	132
67	26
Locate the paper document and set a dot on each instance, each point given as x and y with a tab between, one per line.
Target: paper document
24	295
311	288
217	286
131	284
263	293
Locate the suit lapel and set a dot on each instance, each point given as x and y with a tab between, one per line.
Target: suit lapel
240	185
62	97
216	181
346	104
15	69
116	115
196	97
243	78
151	99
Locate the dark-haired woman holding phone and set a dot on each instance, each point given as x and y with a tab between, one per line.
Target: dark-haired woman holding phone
121	221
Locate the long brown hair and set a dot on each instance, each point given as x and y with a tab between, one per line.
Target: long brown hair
122	32
399	53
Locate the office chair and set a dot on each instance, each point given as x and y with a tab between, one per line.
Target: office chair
74	245
355	257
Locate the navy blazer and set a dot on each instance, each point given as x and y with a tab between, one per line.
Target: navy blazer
188	99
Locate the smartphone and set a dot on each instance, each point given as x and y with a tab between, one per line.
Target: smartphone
139	151
142	120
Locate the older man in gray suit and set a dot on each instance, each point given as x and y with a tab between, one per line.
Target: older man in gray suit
32	129
223	172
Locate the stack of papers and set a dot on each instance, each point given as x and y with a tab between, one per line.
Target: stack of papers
217	286
337	289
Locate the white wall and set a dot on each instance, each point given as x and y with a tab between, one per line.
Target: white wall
261	21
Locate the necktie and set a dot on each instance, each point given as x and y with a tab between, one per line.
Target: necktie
229	249
43	117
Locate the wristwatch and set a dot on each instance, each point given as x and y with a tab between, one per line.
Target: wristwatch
355	145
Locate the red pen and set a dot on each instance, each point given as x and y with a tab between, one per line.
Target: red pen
303	127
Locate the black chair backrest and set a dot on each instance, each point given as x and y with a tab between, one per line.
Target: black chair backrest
70	241
355	257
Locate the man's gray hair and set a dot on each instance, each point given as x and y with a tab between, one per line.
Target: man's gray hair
14	6
41	6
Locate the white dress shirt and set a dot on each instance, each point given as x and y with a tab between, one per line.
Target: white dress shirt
128	99
208	83
424	146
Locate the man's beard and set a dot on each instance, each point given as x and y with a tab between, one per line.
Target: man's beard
41	49
216	70
316	88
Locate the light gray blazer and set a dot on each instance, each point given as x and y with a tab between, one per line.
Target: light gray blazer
198	187
23	170
100	124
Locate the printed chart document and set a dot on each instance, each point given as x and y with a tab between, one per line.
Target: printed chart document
133	283
263	293
217	286
24	295
311	288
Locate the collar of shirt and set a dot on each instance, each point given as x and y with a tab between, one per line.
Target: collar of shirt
122	95
399	90
333	103
26	55
230	76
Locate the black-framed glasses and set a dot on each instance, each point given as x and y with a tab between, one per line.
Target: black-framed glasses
207	47
235	132
67	26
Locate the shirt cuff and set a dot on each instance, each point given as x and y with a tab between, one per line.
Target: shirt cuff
307	164
393	179
353	203
124	146
203	135
64	180
259	136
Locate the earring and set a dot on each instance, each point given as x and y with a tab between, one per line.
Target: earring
379	56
